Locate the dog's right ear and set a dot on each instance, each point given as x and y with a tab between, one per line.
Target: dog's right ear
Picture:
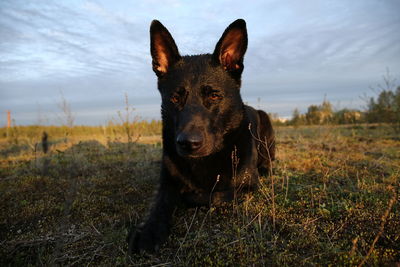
163	48
231	47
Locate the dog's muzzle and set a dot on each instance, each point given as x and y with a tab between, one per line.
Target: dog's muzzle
189	143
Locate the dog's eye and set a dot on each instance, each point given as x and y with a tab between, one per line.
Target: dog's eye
175	99
214	96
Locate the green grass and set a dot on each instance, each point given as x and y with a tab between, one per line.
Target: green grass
334	188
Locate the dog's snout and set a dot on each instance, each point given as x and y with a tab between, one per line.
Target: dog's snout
189	142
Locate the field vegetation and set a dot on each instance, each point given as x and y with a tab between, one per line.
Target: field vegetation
69	198
384	107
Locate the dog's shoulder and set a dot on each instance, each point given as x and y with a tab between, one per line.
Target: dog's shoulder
253	118
261	129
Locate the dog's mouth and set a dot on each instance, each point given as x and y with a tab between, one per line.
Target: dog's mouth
201	152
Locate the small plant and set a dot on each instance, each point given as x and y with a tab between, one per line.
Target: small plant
13	134
128	122
67	116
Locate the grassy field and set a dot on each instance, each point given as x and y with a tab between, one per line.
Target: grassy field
332	200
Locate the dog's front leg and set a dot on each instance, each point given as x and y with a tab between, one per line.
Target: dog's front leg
151	234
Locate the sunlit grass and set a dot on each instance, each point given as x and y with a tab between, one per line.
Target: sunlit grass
74	204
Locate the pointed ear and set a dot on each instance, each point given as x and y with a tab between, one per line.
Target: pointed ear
163	48
230	49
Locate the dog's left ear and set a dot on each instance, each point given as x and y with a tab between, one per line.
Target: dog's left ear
163	48
230	49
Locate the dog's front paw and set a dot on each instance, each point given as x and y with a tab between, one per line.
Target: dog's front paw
147	237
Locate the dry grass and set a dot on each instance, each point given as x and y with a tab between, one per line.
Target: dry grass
335	198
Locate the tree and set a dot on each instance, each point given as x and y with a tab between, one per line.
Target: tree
326	112
313	115
297	118
386	107
346	116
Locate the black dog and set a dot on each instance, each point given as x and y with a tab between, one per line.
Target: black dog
213	144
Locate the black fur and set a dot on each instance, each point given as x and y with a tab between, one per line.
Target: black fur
212	143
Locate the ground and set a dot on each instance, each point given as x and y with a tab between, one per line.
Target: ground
332	200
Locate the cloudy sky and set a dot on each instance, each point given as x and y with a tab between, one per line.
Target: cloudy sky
93	52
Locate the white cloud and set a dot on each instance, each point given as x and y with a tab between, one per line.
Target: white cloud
298	51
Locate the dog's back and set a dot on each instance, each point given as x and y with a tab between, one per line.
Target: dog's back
266	143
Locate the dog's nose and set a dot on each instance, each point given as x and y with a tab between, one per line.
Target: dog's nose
189	142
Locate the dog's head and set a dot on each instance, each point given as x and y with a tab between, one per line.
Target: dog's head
201	100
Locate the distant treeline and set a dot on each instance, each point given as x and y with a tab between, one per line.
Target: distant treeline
385	108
